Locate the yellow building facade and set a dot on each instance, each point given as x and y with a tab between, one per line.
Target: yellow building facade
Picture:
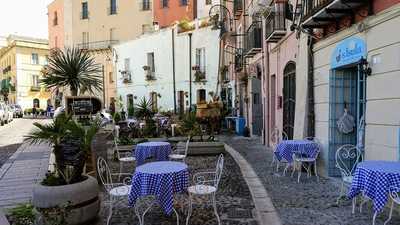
97	26
21	62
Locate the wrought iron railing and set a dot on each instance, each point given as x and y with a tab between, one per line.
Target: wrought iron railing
97	45
238	60
276	21
253	39
310	7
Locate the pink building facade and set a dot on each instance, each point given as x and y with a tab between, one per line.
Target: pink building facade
56	24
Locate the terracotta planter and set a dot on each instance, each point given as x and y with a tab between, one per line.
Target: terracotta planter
83	198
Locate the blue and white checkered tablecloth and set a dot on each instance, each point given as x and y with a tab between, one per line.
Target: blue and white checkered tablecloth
286	149
374	179
158	150
160	179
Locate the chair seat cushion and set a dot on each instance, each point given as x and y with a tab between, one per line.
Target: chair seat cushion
348	179
176	156
120	191
127	159
202	189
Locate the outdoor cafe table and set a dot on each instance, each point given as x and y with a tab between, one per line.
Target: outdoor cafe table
160	179
286	149
158	150
374	179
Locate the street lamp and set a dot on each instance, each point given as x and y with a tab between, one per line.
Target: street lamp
219	14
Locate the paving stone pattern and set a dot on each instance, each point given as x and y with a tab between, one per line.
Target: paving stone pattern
235	205
306	203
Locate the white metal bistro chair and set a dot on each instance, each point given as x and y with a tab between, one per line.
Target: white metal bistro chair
206	184
178	155
394	195
276	138
116	192
347	157
123	155
300	161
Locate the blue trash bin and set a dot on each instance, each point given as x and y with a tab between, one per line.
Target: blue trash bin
240	124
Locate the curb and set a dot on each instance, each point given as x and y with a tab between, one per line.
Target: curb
3	219
265	210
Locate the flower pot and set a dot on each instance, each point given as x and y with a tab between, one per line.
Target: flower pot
83	199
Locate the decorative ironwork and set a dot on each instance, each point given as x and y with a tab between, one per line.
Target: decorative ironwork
253	39
275	24
97	45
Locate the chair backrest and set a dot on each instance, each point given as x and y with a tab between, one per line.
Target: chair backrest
187	146
285	137
218	170
104	174
347	157
275	137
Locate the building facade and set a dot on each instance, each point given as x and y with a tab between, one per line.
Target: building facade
22	61
174	69
167	12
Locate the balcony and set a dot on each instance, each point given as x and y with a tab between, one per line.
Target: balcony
275	24
97	45
239	60
126	76
318	13
237	7
150	75
253	40
35	88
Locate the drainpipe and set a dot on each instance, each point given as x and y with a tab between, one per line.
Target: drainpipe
104	86
190	72
173	67
311	111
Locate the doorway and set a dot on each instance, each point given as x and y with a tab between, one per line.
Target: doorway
181	102
257	110
289	98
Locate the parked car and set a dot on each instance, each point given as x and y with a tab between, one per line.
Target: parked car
6	114
2	113
18	113
10	112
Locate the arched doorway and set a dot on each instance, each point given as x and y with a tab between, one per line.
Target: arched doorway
36	103
289	98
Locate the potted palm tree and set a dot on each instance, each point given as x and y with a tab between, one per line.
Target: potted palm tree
73	68
67	185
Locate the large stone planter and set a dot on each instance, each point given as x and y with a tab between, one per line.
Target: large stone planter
83	198
204	148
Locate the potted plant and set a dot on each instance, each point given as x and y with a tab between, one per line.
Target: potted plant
67	185
199	76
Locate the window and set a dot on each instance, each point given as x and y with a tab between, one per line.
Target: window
153	98
201	96
127	62
201	59
183	2
129	101
110	77
85	39
46	60
208	2
85	11
35	58
164	3
55	19
145	5
150	61
35	81
256	98
113	7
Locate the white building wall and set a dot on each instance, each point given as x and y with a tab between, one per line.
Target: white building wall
203	9
383	95
161	44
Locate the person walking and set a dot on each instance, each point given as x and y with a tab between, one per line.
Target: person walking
34	111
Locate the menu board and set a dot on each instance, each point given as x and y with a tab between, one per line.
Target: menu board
83	105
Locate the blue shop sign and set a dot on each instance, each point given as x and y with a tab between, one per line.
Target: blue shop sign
348	51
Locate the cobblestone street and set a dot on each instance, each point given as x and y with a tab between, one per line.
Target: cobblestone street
309	202
235	205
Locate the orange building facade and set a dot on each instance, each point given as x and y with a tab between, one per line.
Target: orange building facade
167	12
56	24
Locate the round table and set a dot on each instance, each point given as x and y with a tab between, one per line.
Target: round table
286	149
158	150
160	179
374	179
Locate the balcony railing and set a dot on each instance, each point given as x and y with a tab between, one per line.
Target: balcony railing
237	7
310	7
275	24
97	45
126	76
35	88
84	15
239	60
253	40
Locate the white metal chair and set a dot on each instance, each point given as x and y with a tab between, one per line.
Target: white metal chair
394	195
117	192
299	161
123	155
206	184
276	138
347	157
178	156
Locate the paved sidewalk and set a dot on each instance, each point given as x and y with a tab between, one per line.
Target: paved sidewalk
306	203
27	166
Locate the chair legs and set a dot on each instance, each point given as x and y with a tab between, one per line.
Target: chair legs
110	210
390	213
374	218
190	209
341	194
215	209
354	201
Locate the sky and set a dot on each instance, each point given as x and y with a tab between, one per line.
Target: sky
24	17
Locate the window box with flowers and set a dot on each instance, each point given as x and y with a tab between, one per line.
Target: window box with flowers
126	77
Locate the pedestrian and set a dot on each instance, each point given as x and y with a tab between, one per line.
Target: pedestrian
34	111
